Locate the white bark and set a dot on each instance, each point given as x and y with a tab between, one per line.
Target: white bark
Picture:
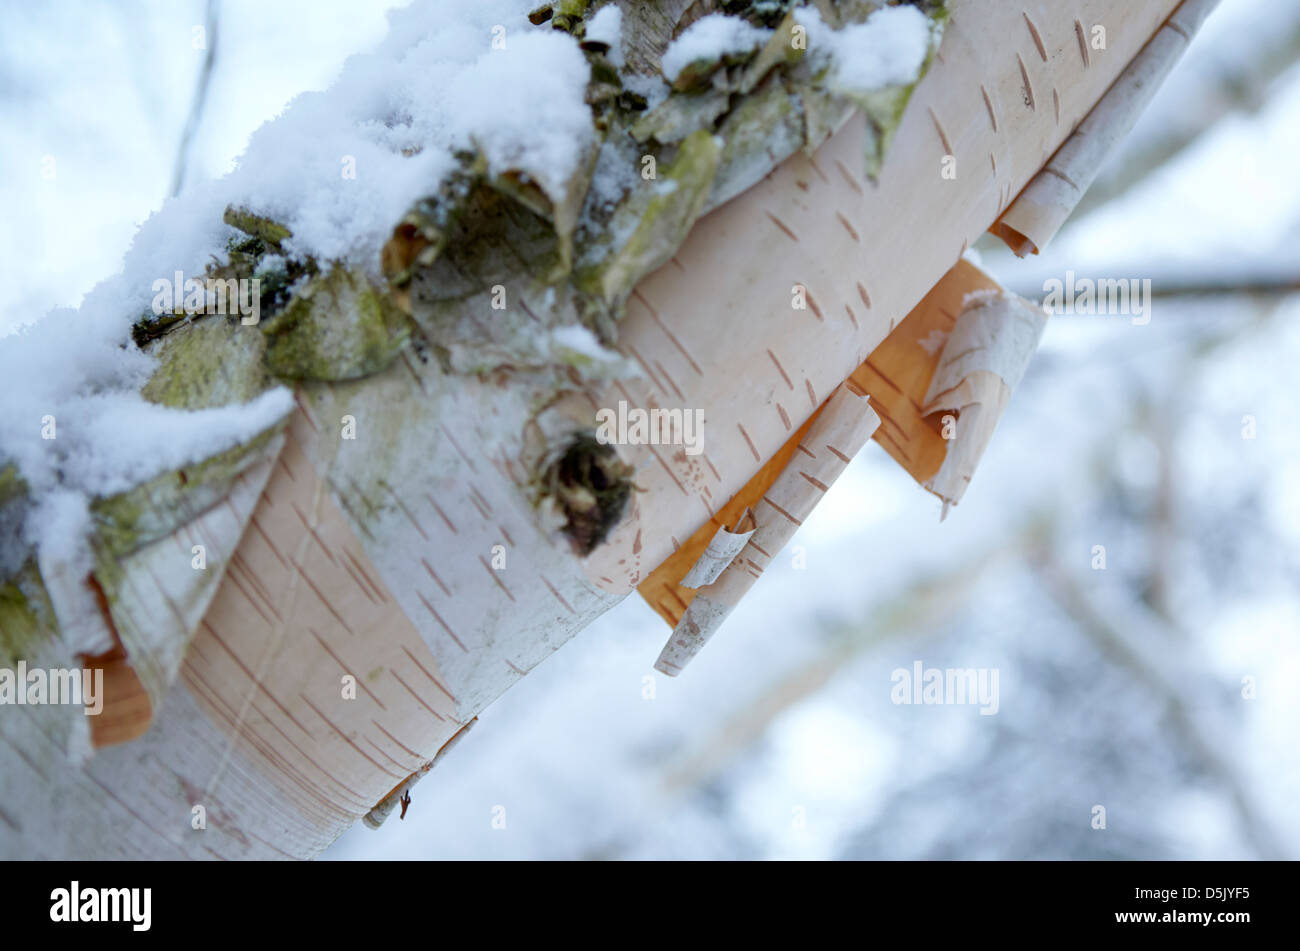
1038	213
406	598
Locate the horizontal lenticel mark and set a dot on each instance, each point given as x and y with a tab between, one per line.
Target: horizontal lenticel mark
781	510
988	104
418	698
848	177
1029	87
432	679
438	617
558	596
783	226
821	486
848	227
780	369
496	576
1038	40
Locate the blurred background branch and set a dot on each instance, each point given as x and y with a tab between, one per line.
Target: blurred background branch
195	117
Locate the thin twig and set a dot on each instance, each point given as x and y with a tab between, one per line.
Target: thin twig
915	611
200	98
1131	634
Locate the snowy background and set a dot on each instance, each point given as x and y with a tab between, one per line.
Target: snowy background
1121	688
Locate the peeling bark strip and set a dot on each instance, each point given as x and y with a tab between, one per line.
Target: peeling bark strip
984	359
749	282
722	551
1033	219
898	376
899	371
371	541
844	425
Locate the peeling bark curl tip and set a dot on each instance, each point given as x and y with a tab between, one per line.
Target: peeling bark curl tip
1043	206
401	793
722	551
983	360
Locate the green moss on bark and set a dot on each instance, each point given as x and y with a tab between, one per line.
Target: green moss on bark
663	215
126	521
271	233
339	327
212	362
26	616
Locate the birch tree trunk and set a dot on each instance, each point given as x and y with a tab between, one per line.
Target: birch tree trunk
420	531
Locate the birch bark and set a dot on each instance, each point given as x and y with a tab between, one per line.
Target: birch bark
435	598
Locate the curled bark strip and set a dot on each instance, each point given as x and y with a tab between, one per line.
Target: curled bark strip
983	360
898	372
85	628
1033	219
836	435
722	551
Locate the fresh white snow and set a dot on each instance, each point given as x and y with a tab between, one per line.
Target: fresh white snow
887	49
607	27
338	168
485	78
710	37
